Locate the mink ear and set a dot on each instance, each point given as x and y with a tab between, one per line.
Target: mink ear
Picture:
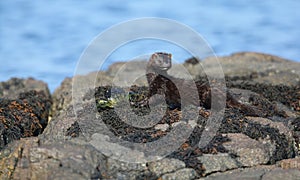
154	56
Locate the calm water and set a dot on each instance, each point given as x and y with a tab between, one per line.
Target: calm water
44	39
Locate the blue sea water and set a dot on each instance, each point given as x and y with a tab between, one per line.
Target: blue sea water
44	39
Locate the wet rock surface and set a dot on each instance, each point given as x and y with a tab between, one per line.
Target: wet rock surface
258	137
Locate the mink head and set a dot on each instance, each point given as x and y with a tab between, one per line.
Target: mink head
160	61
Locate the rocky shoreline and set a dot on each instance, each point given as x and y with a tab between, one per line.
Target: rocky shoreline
42	135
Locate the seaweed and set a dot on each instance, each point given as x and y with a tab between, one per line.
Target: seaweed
24	117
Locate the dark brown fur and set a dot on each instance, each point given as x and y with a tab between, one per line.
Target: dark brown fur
161	83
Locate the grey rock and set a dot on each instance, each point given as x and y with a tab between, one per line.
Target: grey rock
249	152
63	95
116	165
263	68
50	161
283	131
58	126
165	165
14	86
162	127
257	173
278	125
247	174
247	97
108	147
293	163
217	162
182	174
129	73
125	170
114	68
292	174
91	125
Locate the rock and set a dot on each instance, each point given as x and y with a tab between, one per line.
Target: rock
13	87
57	128
91	124
292	174
218	162
182	174
280	126
264	68
62	96
262	133
260	68
288	96
248	152
247	173
126	170
165	165
60	125
29	159
162	127
273	139
129	73
259	172
275	133
293	163
256	105
114	68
